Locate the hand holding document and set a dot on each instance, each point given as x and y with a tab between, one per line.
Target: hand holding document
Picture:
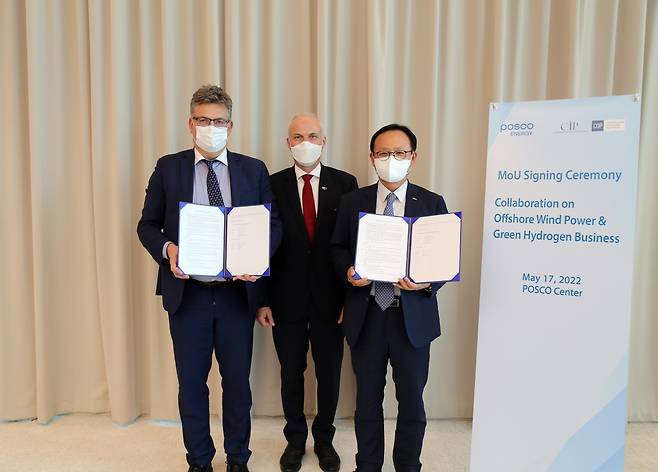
223	242
425	249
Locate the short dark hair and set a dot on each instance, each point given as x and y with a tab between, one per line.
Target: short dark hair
394	127
211	94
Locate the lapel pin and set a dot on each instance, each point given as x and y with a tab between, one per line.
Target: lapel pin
414	198
324	188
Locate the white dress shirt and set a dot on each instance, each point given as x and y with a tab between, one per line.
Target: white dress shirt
220	166
400	198
315	184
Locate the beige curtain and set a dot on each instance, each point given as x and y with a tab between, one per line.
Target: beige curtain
92	92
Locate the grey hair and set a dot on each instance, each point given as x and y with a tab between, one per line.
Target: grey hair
211	94
307	115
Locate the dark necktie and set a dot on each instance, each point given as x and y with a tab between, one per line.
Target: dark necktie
308	207
214	193
384	291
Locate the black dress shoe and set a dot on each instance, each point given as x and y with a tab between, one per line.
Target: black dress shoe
327	456
291	459
200	468
237	468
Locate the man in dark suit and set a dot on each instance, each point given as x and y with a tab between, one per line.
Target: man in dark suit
208	314
386	322
306	296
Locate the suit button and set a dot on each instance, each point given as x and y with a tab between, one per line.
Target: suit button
308	252
366	298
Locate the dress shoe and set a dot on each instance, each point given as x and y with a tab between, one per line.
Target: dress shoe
237	468
200	468
327	456
291	459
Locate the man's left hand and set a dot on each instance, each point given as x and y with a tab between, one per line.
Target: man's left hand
407	284
246	277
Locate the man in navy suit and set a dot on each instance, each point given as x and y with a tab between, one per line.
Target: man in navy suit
385	322
306	295
208	314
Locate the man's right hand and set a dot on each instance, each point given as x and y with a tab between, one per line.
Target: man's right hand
356	282
172	255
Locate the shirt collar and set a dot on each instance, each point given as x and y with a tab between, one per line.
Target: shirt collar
315	172
400	193
223	157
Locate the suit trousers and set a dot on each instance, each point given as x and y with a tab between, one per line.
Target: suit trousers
213	318
291	341
383	339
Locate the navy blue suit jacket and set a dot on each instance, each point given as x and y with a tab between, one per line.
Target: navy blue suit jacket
419	308
172	181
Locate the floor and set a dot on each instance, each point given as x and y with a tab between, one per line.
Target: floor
93	443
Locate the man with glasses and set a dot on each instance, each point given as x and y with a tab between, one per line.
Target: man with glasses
385	322
306	295
208	314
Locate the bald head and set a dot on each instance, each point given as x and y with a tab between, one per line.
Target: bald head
305	127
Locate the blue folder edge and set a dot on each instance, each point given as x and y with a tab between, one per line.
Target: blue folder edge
225	274
356	275
181	205
458	276
269	241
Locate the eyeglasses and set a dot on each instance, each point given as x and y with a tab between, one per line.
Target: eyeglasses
399	155
203	121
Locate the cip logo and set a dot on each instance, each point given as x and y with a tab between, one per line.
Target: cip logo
570	126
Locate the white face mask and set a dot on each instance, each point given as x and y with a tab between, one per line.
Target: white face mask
392	170
211	138
306	153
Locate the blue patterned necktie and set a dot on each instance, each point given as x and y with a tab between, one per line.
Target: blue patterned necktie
214	193
384	292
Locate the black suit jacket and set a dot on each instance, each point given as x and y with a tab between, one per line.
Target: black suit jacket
172	181
302	272
419	308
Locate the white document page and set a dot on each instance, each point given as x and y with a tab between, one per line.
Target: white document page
248	240
381	248
201	240
435	248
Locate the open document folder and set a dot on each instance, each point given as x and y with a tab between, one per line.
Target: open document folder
425	249
223	242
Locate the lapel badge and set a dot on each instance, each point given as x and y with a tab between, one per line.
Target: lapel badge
324	188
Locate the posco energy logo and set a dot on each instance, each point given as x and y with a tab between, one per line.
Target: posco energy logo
517	129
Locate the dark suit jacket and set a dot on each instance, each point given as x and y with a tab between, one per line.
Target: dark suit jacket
419	308
172	181
302	272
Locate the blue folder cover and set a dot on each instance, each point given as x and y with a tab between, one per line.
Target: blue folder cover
226	211
410	221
